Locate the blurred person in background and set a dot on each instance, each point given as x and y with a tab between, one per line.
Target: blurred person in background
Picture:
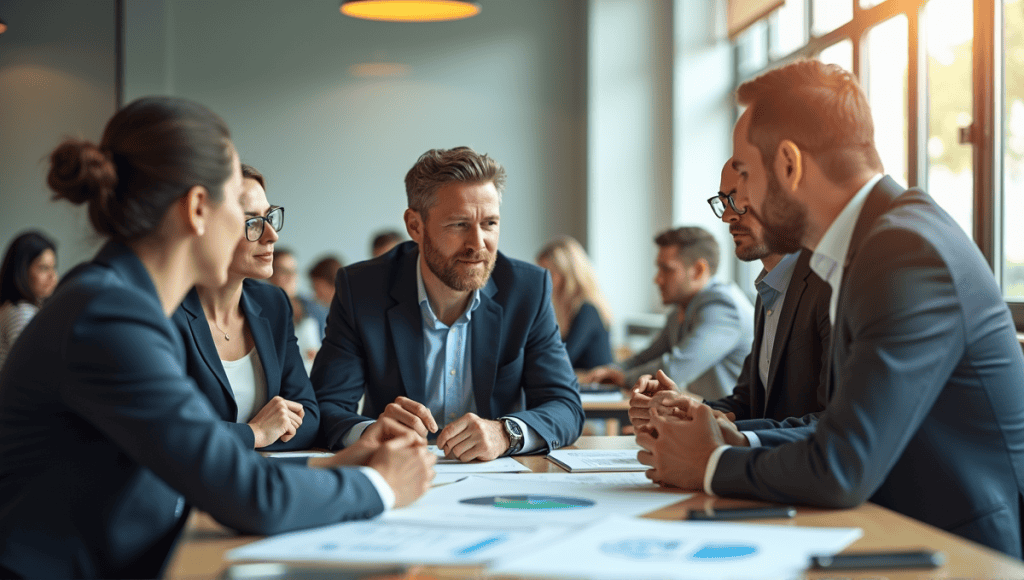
384	240
28	276
581	310
240	341
286	277
321	278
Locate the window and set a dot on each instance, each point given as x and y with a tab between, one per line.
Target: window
887	93
1013	150
830	14
840	53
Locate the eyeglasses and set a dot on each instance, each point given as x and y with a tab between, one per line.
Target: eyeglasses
254	225
718	205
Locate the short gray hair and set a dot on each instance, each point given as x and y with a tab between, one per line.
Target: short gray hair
439	167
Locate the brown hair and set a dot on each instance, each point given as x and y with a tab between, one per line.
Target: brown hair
250	172
818	106
439	167
325	269
153	151
692	244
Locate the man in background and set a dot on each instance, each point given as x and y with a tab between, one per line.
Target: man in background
709	331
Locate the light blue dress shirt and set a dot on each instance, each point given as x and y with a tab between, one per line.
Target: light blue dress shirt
772	287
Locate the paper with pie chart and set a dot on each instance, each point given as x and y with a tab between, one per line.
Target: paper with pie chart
534	501
619	547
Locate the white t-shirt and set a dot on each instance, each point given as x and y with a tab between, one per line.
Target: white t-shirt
248	383
13	319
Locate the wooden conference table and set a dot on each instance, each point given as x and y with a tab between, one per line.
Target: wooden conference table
200	552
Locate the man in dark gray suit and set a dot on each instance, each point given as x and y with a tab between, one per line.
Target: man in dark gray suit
925	389
783	376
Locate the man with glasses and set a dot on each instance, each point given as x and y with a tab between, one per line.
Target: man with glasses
708	333
783	376
445	334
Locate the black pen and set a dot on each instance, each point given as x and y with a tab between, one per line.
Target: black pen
879	560
766	512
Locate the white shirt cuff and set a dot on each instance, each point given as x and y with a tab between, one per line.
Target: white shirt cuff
355	433
752	437
709	471
387	495
531	441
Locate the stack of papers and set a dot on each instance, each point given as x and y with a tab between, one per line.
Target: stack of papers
576	460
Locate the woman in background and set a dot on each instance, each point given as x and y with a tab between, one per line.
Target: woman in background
581	310
105	442
28	276
240	340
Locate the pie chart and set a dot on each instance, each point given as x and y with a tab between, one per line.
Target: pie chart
530	502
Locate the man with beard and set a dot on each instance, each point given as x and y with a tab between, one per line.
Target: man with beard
708	333
925	411
783	376
445	334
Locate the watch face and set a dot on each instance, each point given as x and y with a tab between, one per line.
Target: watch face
513	428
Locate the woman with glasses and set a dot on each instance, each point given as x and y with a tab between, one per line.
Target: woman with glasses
105	442
240	339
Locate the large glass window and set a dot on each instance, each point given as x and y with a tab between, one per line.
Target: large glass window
950	102
1013	154
788	28
830	14
887	93
840	53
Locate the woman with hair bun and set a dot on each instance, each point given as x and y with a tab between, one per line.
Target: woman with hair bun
105	443
27	277
582	312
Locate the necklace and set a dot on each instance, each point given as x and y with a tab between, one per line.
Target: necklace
226	337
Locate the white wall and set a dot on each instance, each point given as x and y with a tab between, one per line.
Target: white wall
629	147
57	72
335	147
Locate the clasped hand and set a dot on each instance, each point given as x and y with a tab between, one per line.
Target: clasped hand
468	438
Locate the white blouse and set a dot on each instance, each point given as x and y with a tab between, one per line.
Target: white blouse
248	383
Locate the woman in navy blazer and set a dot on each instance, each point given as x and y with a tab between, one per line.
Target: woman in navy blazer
582	312
104	440
263	390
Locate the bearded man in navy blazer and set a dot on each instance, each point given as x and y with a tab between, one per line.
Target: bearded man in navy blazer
445	334
925	379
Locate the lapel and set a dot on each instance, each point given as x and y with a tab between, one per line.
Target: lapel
794	293
880	198
485	326
207	349
758	400
263	337
406	324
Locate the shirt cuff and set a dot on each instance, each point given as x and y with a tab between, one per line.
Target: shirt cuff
709	471
531	440
752	437
387	495
355	433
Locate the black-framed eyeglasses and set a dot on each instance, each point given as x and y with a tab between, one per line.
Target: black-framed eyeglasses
254	225
717	204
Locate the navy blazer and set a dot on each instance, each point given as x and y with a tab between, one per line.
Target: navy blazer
268	313
587	343
925	389
374	345
105	442
796	370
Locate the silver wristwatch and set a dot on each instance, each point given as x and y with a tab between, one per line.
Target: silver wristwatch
515	435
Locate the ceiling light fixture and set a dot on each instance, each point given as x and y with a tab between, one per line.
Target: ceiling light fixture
410	10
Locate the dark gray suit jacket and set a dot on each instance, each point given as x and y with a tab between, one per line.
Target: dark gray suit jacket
796	374
925	408
374	345
268	312
105	442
